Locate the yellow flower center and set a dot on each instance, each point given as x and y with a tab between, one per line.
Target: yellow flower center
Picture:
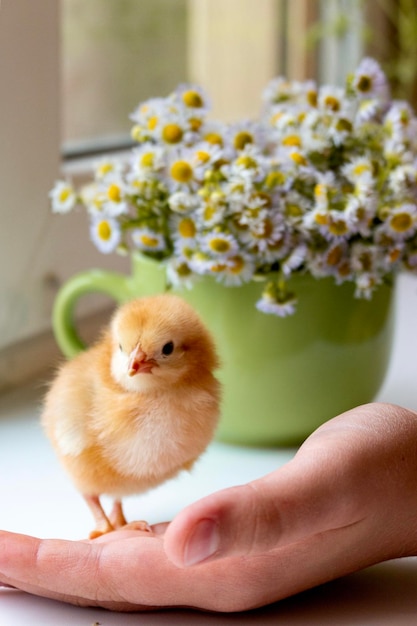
266	231
192	98
321	219
334	256
394	255
274	179
338	227
344	125
292	140
214	138
218	267
298	158
209	212
293	210
274	118
320	190
361	169
104	230
332	103
237	265
219	245
114	193
364	83
152	122
203	156
344	269
312	97
401	222
65	194
105	168
195	123
182	172
242	139
183	270
247	162
172	133
149	241
147	159
186	228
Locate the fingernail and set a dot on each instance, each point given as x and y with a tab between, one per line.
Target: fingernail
203	542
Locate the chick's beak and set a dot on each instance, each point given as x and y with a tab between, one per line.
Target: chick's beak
139	362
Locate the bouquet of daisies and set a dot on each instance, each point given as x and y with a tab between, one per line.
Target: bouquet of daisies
323	183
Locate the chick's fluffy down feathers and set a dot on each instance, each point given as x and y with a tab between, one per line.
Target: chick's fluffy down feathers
118	433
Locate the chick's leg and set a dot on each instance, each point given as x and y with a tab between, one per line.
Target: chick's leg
118	519
103	524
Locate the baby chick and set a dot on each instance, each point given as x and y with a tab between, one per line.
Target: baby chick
137	407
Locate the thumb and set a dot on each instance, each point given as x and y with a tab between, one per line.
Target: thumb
283	507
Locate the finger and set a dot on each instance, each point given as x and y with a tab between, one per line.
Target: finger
297	501
33	564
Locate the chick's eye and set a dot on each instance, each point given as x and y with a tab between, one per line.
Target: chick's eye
168	348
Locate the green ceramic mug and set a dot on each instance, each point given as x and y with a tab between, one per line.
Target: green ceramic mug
282	377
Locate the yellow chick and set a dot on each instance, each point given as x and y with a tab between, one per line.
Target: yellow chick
137	407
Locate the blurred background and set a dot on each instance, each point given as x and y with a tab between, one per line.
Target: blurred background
72	71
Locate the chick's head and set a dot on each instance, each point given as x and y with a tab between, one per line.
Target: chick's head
159	341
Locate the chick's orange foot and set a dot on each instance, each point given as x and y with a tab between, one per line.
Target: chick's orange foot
115	521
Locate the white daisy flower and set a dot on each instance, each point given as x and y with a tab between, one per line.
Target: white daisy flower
279	89
235	271
112	192
369	81
295	259
179	274
401	222
403	178
364	258
193	97
360	214
254	212
249	163
214	133
358	168
63	197
332	99
242	134
184	228
398	120
105	233
182	172
106	167
147	159
184	202
211	213
268	237
148	240
206	154
219	244
171	130
147	118
366	285
276	301
368	110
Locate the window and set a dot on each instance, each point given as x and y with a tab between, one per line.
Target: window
116	53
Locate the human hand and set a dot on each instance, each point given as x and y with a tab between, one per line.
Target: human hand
346	501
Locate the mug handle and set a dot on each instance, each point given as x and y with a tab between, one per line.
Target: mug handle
112	284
